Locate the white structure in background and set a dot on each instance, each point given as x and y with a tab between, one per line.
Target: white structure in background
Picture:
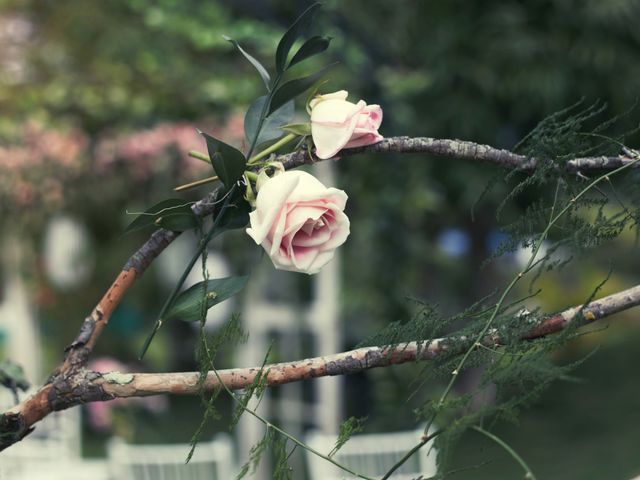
18	321
67	253
287	326
372	455
210	461
52	451
67	263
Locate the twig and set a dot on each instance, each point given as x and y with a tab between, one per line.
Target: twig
423	441
528	473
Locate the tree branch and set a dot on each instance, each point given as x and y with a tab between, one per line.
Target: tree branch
457	149
72	384
354	361
78	351
88	386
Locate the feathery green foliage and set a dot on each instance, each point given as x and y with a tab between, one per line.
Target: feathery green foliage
562	223
256	453
350	426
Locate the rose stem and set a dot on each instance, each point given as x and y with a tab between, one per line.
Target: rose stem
201	156
197	183
280	143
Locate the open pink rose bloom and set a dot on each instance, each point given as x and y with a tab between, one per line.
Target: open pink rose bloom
337	123
299	221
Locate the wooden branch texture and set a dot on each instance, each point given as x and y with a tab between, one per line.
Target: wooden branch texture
142	384
72	384
457	149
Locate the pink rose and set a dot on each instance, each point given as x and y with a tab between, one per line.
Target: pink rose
338	124
299	221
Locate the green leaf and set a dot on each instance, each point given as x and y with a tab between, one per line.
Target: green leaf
228	162
271	125
300	26
302	129
12	375
166	209
311	47
178	221
188	305
313	91
258	66
293	88
237	214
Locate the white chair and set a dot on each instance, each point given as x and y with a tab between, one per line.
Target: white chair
82	469
372	455
51	452
211	461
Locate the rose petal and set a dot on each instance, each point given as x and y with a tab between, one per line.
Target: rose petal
303	257
340	229
316	238
375	114
339	95
299	215
271	199
278	228
332	124
366	139
320	261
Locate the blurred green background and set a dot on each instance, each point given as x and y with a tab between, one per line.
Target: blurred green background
99	101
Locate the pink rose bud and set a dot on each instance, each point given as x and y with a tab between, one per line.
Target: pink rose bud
338	124
299	221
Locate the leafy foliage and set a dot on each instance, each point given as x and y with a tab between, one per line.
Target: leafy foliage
12	376
350	426
255	390
282	470
189	304
258	66
299	27
256	453
313	46
293	88
173	214
228	162
271	126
